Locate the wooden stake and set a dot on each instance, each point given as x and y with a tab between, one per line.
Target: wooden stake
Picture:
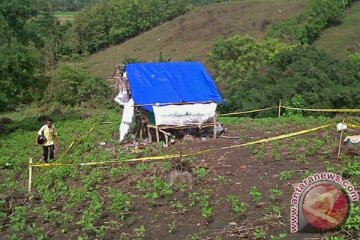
340	140
30	174
279	112
149	134
157	134
215	118
166	135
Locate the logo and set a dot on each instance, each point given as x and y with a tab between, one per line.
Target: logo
321	202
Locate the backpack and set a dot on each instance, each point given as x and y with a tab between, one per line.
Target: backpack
41	138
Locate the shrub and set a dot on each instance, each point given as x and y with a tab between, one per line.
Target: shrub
73	84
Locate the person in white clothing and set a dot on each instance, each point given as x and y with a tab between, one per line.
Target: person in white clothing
47	136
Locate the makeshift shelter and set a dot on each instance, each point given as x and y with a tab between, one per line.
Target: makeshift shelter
171	94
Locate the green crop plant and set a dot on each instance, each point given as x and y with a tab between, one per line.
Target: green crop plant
52	216
181	187
272	212
141	185
178	205
275	194
237	205
279	237
275	155
77	195
18	219
335	238
286	175
259	234
92	180
201	173
315	146
2	213
255	194
221	179
120	172
353	221
160	189
193	198
166	166
302	142
252	149
293	149
141	167
260	155
91	214
120	203
140	232
206	211
203	200
352	169
306	174
172	226
37	232
301	158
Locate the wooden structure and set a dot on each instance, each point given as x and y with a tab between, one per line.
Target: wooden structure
117	80
144	126
161	129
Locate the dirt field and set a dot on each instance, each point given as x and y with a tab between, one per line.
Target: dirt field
262	177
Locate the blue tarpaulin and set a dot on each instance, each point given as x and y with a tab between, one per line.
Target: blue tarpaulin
170	82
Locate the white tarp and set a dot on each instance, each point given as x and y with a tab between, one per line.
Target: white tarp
126	119
184	114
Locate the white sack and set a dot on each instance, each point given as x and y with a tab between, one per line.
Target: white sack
122	98
126	119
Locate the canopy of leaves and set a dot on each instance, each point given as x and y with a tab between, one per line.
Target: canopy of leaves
113	21
303	73
73	84
25	29
234	57
69	5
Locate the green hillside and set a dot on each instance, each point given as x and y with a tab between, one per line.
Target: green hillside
191	35
342	39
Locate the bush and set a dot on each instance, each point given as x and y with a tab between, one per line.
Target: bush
72	84
302	76
306	27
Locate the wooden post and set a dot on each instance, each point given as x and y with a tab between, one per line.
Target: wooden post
141	130
340	140
30	174
215	118
279	112
149	133
157	134
166	135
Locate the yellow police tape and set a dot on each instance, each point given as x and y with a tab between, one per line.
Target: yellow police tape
90	130
322	110
353	125
244	112
185	155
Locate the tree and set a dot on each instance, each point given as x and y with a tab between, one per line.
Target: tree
304	73
21	38
72	84
233	58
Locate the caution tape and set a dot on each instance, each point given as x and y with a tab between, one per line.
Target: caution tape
89	131
322	110
353	125
288	135
170	156
244	112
